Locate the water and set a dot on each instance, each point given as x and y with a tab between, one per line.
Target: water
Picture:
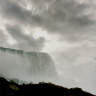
26	66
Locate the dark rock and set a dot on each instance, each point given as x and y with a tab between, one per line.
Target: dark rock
13	89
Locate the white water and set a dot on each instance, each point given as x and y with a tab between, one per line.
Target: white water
26	66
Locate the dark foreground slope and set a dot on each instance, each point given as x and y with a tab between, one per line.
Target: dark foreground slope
13	89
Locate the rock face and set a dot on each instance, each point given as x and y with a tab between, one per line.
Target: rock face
12	86
42	89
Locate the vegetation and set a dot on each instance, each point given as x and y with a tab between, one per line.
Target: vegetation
13	89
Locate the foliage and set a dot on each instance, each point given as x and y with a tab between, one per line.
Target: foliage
38	89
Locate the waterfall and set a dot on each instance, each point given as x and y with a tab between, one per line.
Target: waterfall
26	66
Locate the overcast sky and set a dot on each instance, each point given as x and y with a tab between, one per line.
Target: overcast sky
66	29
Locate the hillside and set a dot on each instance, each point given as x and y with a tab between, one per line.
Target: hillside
13	89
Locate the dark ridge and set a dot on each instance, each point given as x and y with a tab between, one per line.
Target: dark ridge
9	49
21	52
13	89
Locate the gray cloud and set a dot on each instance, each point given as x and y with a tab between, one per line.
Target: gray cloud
65	12
25	42
3	38
54	18
12	11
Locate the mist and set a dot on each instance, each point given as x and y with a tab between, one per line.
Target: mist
34	67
